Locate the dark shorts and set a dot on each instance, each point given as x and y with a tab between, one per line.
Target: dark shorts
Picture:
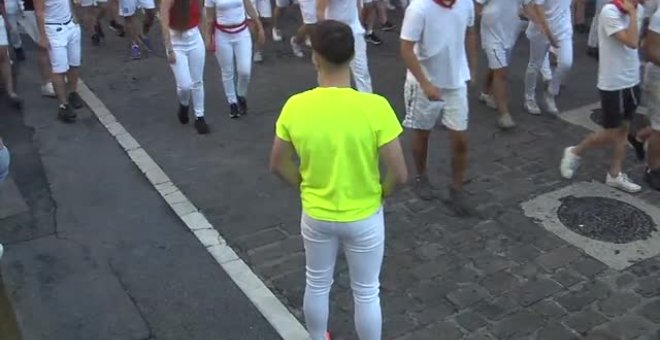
619	106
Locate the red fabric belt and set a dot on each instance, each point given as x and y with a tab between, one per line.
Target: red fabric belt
230	29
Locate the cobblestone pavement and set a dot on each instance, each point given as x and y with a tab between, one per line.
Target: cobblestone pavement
496	276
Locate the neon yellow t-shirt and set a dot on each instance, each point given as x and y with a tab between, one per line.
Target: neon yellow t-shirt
337	133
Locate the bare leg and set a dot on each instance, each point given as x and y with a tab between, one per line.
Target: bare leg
619	152
500	91
488	83
43	61
459	158
420	145
382	11
149	18
72	79
60	87
653	152
129	26
5	68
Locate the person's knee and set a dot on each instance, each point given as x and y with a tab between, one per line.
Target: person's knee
318	282
185	86
459	143
364	293
196	85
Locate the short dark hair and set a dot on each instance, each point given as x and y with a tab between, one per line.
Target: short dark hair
333	41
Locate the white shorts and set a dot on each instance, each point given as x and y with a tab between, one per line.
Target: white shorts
4	40
423	114
285	3
127	8
92	3
308	11
264	8
65	48
498	57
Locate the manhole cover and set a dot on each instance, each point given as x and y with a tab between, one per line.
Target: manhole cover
605	219
597	116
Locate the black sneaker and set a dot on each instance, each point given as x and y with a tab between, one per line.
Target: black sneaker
201	126
242	106
373	39
183	114
96	39
75	100
652	177
234	111
459	204
65	114
20	54
117	28
16	102
638	146
424	189
388	26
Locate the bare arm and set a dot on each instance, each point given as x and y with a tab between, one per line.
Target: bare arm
165	6
630	35
652	46
39	8
472	45
412	63
281	162
321	6
210	22
395	166
536	14
252	12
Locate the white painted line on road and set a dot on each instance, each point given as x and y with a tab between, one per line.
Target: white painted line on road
288	327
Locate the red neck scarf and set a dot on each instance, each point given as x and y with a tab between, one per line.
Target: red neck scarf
446	4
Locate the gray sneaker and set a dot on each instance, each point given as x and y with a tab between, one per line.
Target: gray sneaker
506	122
458	202
424	189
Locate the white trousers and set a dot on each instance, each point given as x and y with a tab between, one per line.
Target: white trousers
363	243
538	53
234	49
188	69
360	65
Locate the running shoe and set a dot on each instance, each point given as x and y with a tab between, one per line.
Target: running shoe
297	49
75	100
201	126
65	114
183	114
488	99
234	111
258	57
622	182
569	163
424	189
506	122
459	203
242	106
550	103
135	52
20	54
652	178
277	35
388	26
638	146
531	107
373	39
47	90
308	42
15	102
117	28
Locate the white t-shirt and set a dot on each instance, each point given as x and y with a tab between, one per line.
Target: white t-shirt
558	15
227	12
12	6
439	34
618	64
57	11
500	22
345	11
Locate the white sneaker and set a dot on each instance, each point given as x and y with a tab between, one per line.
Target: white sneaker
550	103
297	49
531	107
308	42
47	90
277	36
258	57
488	100
622	182
506	122
569	163
2	250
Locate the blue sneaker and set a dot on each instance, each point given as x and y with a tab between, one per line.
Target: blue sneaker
135	52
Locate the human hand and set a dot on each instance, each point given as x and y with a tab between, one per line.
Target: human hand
432	93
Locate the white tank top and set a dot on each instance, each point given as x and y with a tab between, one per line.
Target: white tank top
57	11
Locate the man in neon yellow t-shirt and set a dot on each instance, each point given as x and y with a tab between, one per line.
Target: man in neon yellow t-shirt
339	136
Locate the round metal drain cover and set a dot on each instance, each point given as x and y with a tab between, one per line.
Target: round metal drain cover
597	116
605	219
